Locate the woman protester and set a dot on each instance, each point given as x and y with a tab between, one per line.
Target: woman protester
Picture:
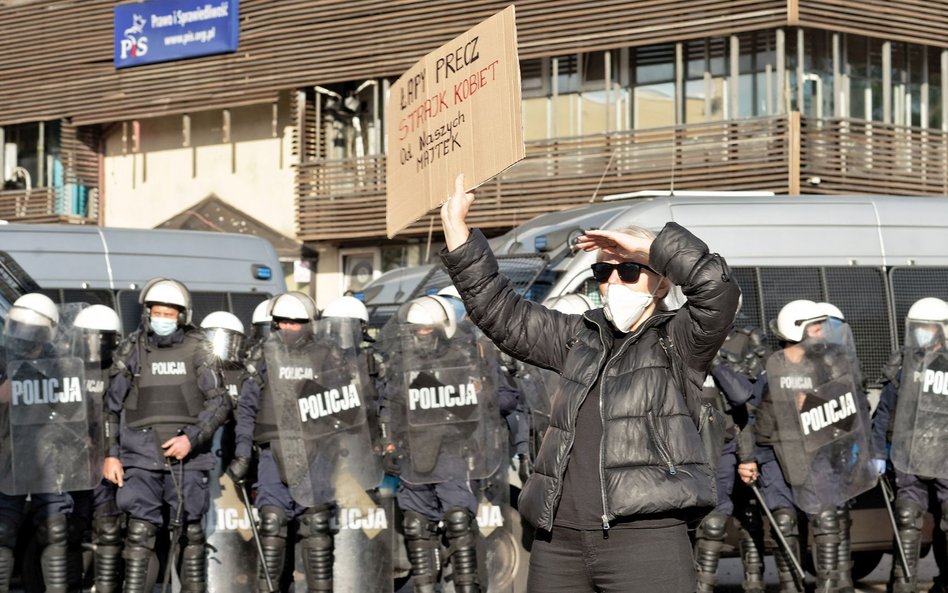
621	470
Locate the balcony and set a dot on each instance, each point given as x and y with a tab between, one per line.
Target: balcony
49	205
341	200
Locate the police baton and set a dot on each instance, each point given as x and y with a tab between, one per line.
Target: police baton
775	531
245	496
888	496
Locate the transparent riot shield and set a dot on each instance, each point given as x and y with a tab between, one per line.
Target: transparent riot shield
232	554
822	416
449	426
49	446
325	451
364	544
920	429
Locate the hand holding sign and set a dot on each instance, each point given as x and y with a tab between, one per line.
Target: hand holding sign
454	214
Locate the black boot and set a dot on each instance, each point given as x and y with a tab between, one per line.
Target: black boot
421	539
709	539
752	547
316	537
272	533
826	550
53	535
787	524
908	520
107	538
193	572
844	577
460	529
141	565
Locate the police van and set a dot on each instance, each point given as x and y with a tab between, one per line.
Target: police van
109	266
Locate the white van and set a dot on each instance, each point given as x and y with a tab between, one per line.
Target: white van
77	263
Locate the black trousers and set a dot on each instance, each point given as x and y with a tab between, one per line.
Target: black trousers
646	560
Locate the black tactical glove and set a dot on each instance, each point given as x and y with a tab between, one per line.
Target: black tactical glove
525	467
238	468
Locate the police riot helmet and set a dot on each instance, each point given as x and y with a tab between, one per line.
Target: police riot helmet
793	318
261	321
292	306
571	304
926	323
434	311
226	334
165	291
831	310
96	333
32	320
451	295
347	307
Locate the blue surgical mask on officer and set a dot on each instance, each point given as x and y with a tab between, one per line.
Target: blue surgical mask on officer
163	327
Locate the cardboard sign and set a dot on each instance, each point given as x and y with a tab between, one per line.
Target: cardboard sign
456	111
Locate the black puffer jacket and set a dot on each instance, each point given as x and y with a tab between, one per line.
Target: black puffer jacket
651	458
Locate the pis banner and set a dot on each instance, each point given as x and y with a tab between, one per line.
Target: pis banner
165	30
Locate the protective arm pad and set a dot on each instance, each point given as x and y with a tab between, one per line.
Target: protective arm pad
217	409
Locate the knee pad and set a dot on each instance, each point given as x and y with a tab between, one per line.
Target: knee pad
458	522
713	527
909	515
944	518
108	530
826	523
141	534
787	522
314	524
417	526
272	522
194	534
53	530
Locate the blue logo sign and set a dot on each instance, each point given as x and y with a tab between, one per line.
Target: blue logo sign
165	30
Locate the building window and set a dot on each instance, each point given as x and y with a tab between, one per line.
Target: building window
31	155
653	94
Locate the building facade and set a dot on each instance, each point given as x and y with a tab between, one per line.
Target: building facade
792	96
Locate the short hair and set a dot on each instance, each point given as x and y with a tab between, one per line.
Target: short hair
635	231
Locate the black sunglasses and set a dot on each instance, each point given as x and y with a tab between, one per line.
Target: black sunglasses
628	271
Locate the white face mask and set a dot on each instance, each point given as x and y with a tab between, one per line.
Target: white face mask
923	336
623	306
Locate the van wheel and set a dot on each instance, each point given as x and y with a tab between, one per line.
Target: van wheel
864	563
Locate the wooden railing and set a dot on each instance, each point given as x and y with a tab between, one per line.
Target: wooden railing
849	156
345	199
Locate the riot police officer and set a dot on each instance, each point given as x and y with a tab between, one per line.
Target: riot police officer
728	387
165	401
812	431
28	334
226	334
436	392
302	462
96	333
917	449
